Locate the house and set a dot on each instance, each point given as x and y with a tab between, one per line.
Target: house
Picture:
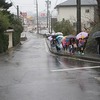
68	11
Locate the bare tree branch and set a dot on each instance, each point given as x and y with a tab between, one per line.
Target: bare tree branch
98	2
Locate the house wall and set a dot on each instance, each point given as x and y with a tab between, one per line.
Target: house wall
70	13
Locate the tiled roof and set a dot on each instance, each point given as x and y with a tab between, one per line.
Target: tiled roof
73	3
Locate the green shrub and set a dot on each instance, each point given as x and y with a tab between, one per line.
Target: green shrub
3	43
18	28
91	46
64	26
4	24
8	20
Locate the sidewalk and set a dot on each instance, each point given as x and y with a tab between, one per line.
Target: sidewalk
90	57
23	36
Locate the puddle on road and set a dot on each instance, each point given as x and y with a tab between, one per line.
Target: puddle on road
77	63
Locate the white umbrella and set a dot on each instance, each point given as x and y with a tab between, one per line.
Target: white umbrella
59	33
53	33
82	35
50	38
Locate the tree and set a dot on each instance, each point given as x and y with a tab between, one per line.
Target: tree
4	5
64	26
92	43
4	14
98	1
8	20
4	24
16	24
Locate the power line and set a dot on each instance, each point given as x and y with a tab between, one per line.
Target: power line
56	2
13	4
16	7
54	6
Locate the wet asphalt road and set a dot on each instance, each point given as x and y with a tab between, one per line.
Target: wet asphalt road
31	72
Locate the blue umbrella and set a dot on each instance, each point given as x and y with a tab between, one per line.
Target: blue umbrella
59	38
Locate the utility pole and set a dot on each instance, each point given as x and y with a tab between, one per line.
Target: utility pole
78	2
48	13
17	11
37	16
51	24
49	21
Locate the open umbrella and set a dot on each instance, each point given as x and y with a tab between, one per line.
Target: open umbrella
50	38
59	33
53	33
59	37
96	34
71	36
82	35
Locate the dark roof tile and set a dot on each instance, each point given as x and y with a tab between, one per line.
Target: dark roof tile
73	3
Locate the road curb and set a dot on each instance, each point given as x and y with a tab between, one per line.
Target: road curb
90	58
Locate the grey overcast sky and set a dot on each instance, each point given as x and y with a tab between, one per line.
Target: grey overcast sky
29	5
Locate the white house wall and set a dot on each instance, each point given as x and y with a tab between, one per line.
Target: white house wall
87	16
70	13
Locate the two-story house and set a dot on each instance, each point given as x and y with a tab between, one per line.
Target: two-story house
68	11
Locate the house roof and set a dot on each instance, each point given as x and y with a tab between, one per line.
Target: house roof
73	3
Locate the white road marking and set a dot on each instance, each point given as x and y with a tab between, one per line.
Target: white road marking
71	69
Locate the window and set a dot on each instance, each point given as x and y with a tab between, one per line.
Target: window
87	10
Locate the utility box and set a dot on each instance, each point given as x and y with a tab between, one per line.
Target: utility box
9	32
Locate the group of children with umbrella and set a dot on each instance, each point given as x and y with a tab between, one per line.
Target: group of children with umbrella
71	44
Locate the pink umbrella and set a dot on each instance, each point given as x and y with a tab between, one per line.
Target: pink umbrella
82	35
63	41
